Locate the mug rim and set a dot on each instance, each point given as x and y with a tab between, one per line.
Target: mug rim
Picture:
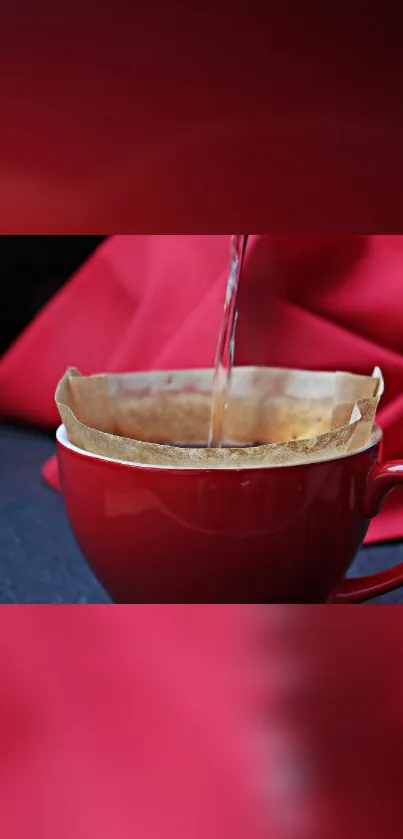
63	440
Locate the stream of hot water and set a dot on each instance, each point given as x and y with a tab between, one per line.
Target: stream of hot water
224	358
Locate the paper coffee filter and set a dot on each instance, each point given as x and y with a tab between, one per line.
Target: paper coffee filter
294	415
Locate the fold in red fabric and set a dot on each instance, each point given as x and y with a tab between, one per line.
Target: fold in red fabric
149	302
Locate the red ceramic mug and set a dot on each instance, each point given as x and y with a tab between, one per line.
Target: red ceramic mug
260	535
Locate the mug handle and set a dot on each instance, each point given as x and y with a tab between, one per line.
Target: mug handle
382	478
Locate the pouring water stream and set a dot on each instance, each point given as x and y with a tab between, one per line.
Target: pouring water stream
224	358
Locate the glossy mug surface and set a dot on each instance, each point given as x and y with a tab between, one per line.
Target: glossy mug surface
260	535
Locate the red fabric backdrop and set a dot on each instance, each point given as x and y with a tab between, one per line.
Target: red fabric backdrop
186	721
128	722
113	123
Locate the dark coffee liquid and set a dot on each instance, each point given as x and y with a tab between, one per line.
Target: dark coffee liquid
224	445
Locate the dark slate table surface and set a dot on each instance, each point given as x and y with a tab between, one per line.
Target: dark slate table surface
39	559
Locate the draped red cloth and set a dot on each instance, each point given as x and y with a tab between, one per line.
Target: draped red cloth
149	302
